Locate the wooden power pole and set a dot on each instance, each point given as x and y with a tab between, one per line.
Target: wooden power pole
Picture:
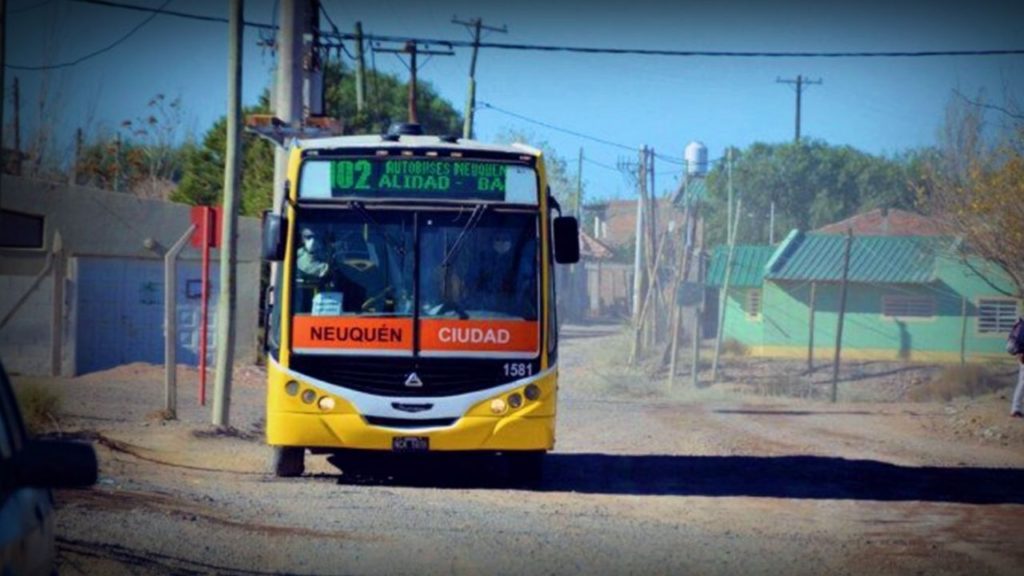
474	25
800	82
412	48
360	70
842	314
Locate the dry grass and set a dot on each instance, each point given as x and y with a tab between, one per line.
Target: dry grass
732	347
39	406
956	382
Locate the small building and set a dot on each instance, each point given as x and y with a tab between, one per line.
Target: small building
744	320
908	298
108	280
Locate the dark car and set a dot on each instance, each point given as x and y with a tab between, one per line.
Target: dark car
28	470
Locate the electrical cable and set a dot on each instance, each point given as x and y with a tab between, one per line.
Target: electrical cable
96	52
597	50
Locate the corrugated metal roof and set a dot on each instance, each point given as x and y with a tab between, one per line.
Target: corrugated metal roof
873	259
748	266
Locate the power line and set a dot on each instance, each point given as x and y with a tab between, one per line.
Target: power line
490	106
619	145
597	50
81	59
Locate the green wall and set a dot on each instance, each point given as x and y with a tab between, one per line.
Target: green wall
738	325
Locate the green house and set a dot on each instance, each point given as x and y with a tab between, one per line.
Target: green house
908	298
744	320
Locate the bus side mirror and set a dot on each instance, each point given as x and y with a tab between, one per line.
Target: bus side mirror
274	226
567	240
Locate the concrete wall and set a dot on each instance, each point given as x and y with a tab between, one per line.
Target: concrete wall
25	340
96	223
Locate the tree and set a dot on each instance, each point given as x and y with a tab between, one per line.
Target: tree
204	169
561	180
148	159
975	182
811	184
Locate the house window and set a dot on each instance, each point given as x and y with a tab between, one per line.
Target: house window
753	303
20	230
908	307
996	315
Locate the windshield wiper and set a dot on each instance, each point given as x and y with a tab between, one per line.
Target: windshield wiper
362	211
474	219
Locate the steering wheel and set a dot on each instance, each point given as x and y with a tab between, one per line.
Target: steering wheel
373	303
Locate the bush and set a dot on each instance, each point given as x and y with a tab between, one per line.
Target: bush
39	406
954	382
733	347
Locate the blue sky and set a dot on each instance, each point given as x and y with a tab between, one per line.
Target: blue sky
882	106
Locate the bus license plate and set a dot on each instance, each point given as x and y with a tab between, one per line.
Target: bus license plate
410	443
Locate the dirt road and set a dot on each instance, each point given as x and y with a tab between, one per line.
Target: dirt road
671	482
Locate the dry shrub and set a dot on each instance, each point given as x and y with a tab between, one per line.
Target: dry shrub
39	406
733	347
954	382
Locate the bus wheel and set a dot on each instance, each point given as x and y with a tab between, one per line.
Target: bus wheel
287	461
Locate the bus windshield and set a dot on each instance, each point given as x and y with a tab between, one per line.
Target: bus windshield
350	263
479	264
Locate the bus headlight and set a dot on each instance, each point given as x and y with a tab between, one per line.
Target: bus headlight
515	401
532	392
291	388
498	406
308	396
326	403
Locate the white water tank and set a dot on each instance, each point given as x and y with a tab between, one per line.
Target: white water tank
696	156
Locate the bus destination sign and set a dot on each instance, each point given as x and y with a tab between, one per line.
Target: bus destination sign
441	178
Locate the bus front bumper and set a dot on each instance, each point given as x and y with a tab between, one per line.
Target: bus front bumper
295	421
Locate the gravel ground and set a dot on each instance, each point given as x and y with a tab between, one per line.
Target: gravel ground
722	479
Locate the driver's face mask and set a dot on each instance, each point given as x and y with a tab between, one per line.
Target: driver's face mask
309	241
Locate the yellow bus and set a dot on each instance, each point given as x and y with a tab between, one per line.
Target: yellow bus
415	300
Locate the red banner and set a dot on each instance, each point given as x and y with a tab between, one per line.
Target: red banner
515	336
339	333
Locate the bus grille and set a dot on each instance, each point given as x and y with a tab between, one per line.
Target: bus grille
386	376
408	423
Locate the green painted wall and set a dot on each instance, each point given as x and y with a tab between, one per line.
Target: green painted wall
786	318
783	327
738	325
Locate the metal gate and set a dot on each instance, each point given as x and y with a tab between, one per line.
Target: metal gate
120	312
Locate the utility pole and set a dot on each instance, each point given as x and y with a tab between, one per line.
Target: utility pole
474	26
117	162
638	253
288	91
412	49
723	300
579	187
800	83
728	213
360	70
229	239
312	69
842	315
73	175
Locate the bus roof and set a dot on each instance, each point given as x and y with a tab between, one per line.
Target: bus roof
376	142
